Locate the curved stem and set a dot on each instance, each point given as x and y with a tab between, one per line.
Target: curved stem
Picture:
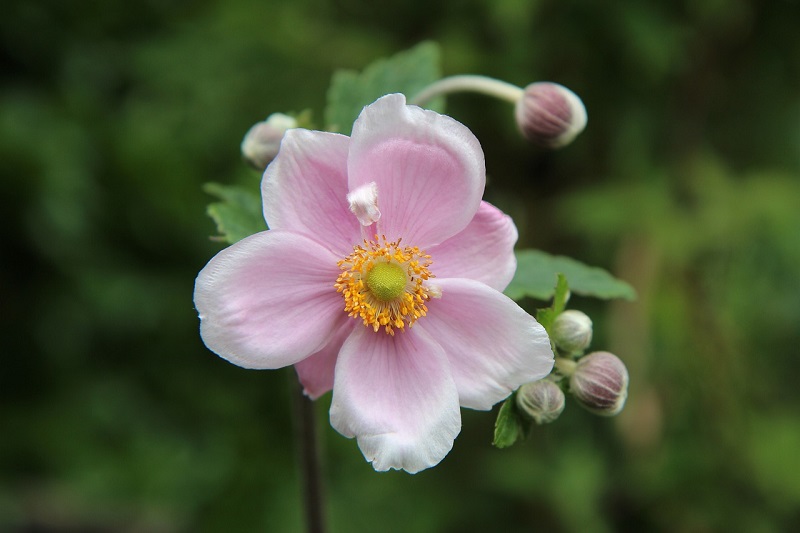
470	83
309	458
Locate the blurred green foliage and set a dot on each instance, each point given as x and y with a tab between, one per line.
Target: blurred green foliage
538	275
686	183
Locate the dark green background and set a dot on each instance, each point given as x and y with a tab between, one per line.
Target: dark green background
114	416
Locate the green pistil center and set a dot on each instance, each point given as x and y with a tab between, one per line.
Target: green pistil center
386	281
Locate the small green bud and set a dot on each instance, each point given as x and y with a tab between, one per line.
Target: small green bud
261	143
542	400
572	331
600	383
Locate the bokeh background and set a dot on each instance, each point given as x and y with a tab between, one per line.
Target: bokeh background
113	114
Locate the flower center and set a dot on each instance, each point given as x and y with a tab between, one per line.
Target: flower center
383	284
386	281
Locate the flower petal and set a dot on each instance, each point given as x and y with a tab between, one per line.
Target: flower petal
268	301
492	344
316	372
305	189
429	170
483	251
396	396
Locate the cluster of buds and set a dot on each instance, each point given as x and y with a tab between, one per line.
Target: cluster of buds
598	381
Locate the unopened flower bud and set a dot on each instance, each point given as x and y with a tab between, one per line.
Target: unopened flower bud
600	383
572	331
550	115
261	143
541	400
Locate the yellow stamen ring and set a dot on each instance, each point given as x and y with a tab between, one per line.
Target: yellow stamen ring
383	284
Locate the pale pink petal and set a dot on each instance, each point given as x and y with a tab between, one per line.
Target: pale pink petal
305	189
429	170
268	301
396	396
492	344
316	372
483	251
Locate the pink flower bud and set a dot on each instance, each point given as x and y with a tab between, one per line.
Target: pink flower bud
543	401
550	115
261	143
600	383
572	331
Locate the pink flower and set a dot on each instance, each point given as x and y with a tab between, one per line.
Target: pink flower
380	278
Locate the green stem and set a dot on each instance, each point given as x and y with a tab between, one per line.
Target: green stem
469	83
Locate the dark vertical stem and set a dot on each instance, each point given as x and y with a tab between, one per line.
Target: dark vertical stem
308	453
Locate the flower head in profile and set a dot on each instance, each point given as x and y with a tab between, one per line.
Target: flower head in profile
379	279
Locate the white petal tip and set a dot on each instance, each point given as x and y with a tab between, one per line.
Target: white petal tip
364	204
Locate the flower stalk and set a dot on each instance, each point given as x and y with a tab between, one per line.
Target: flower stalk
469	83
307	445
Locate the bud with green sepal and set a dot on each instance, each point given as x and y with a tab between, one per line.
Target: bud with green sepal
572	331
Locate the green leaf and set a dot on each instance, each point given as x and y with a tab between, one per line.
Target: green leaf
407	72
509	427
537	273
546	316
561	295
238	215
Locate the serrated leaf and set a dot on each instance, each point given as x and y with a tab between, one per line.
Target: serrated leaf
406	72
238	215
537	273
508	428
